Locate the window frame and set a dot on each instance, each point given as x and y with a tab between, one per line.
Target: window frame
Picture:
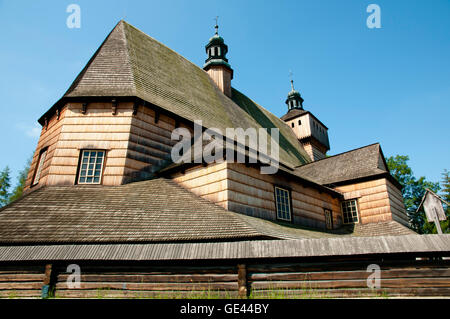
80	163
356	209
39	166
288	191
328	218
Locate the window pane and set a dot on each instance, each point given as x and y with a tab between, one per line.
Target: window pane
282	203
91	167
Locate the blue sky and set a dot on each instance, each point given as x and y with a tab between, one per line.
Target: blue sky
389	85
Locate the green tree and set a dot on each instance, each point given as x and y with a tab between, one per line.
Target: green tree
445	192
5	184
21	179
413	191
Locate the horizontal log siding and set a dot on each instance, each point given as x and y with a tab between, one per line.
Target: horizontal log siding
150	142
150	281
134	143
319	278
397	206
252	193
207	182
21	281
349	279
48	138
378	201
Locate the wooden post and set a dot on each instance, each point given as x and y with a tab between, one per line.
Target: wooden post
242	281
47	281
437	222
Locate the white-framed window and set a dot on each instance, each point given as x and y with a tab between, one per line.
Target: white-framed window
283	203
350	211
41	160
91	166
328	219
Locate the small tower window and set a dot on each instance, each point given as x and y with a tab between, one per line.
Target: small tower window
292	124
299	122
91	166
37	174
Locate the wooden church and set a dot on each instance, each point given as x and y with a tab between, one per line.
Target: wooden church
103	193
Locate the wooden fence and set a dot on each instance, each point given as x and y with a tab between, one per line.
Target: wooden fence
318	278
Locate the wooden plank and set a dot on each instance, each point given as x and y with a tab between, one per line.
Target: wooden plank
392	273
352	293
155	286
28	293
104	293
138	278
385	283
20	285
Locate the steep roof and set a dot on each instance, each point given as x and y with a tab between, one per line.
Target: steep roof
129	63
359	163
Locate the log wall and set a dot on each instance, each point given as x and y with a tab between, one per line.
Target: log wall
208	182
150	282
378	200
317	278
48	138
349	279
21	281
149	143
134	142
243	189
252	193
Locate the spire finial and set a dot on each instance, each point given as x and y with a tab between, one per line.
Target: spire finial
217	25
292	81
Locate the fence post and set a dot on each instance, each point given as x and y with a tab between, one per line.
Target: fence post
242	281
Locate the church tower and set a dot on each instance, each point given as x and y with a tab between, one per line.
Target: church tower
311	132
216	65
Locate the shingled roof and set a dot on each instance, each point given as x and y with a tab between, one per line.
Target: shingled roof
355	164
130	63
156	210
150	211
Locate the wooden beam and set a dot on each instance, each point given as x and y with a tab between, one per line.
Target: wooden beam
242	281
84	108
114	107
135	107
47	281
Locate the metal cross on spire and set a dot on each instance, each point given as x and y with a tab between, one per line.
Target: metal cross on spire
291	77
217	26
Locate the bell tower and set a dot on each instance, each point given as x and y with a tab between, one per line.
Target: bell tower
311	132
216	64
